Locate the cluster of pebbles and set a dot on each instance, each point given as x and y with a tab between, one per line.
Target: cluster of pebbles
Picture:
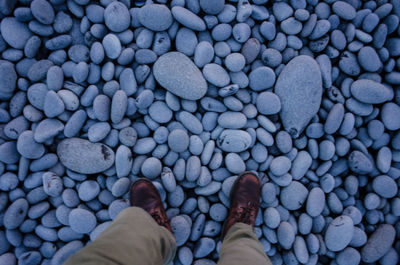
189	94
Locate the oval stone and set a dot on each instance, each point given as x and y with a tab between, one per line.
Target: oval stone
315	202
339	233
371	92
232	120
359	163
8	80
234	141
379	243
390	116
385	186
85	157
155	17
299	87
293	196
188	19
15	33
179	75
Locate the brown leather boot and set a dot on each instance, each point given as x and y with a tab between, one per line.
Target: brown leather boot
145	195
244	201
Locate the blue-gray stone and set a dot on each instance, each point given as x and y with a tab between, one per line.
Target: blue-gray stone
286	235
188	19
339	233
15	33
82	221
179	75
359	163
378	244
117	17
52	184
385	186
212	7
47	129
181	229
216	75
43	11
370	92
85	157
28	147
390	116
155	17
299	87
15	214
234	140
315	202
66	251
8	80
293	196
203	247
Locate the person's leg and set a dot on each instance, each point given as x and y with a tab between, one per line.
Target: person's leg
139	235
133	238
241	246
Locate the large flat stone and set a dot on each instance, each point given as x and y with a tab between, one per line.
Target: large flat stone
179	75
84	157
299	88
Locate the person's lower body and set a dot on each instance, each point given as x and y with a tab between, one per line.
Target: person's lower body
142	235
133	238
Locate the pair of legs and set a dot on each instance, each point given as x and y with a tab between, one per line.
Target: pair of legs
142	235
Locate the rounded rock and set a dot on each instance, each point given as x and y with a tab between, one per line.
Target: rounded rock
390	116
181	229
299	87
339	233
216	75
293	196
117	17
15	33
42	11
15	214
212	7
178	140
280	165
268	103
262	78
85	157
385	186
234	163
370	92
155	17
28	147
151	168
8	80
179	75
188	19
160	112
234	140
82	221
378	244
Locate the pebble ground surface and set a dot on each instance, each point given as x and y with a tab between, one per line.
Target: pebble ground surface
189	93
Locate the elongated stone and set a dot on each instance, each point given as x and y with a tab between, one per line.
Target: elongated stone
299	88
179	75
85	157
370	92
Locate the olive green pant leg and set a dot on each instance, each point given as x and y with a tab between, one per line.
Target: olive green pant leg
134	238
241	246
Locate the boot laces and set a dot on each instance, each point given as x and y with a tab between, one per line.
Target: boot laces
157	217
245	214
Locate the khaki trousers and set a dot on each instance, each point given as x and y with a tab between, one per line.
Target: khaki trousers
134	238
